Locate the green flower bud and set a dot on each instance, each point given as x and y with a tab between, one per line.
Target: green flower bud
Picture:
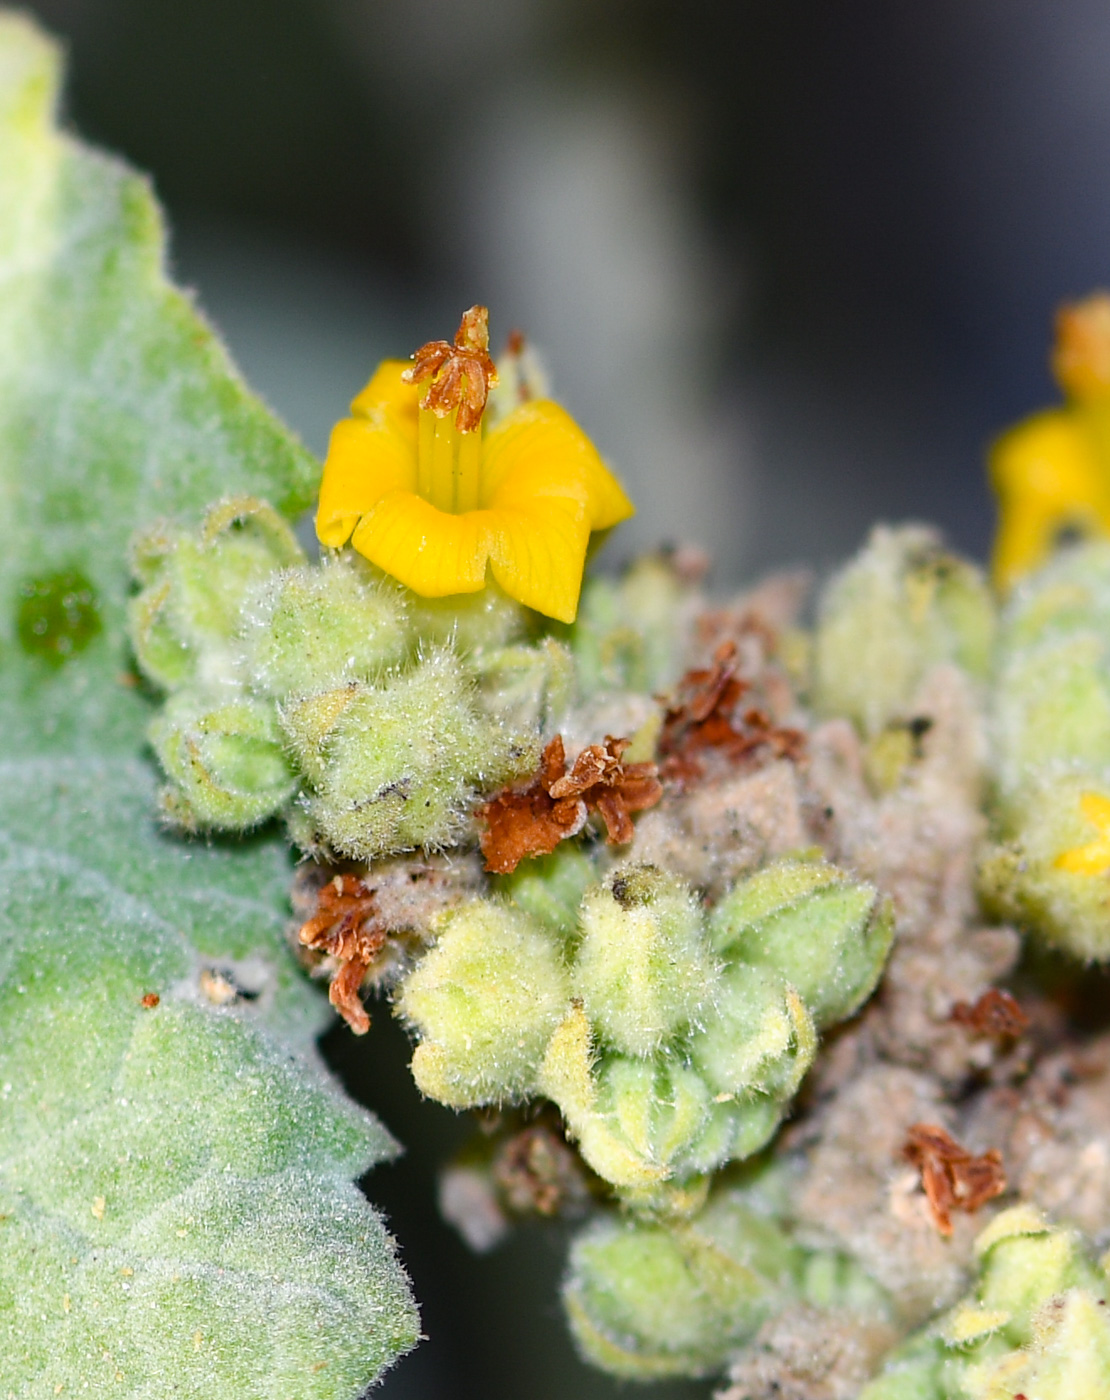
1051	874
550	888
484	1002
899	608
1036	1324
1052	708
224	759
643	967
471	623
647	1126
528	687
655	1109
316	628
647	1301
630	633
1052	756
760	1038
194	586
396	766
828	936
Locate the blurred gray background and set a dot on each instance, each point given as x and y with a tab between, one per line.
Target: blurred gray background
792	266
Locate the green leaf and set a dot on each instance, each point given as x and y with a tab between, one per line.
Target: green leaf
175	1191
118	405
177	1208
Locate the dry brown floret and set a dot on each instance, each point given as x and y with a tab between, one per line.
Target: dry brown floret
462	374
536	1171
531	821
995	1013
952	1177
704	715
348	928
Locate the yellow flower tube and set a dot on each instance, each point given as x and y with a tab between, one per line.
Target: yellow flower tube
422	488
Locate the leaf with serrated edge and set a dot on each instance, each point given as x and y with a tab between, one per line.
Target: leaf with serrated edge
177	1213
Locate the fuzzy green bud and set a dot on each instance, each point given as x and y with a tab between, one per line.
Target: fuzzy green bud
1050	875
827	935
484	1002
1035	1325
643	967
655	1109
899	608
630	633
471	623
550	888
315	628
1051	730
194	586
760	1038
224	758
648	1126
396	766
528	687
647	1301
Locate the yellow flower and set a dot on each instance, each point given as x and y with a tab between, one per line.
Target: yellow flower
1052	471
433	496
1094	857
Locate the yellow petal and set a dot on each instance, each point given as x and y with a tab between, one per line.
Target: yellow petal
367	458
1047	477
538	553
430	551
537	451
1096	808
388	393
1093	858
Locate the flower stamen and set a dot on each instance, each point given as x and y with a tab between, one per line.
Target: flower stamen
462	374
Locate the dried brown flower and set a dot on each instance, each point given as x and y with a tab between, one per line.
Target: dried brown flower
346	927
995	1013
704	716
952	1177
531	821
537	1172
462	374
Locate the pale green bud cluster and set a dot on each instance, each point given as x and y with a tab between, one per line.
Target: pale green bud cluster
652	1299
326	693
670	1043
631	632
1051	733
901	607
1036	1324
194	585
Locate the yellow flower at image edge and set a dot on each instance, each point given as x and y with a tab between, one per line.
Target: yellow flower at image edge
1052	471
427	491
1094	857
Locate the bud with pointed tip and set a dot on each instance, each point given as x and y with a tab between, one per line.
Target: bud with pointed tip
643	967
